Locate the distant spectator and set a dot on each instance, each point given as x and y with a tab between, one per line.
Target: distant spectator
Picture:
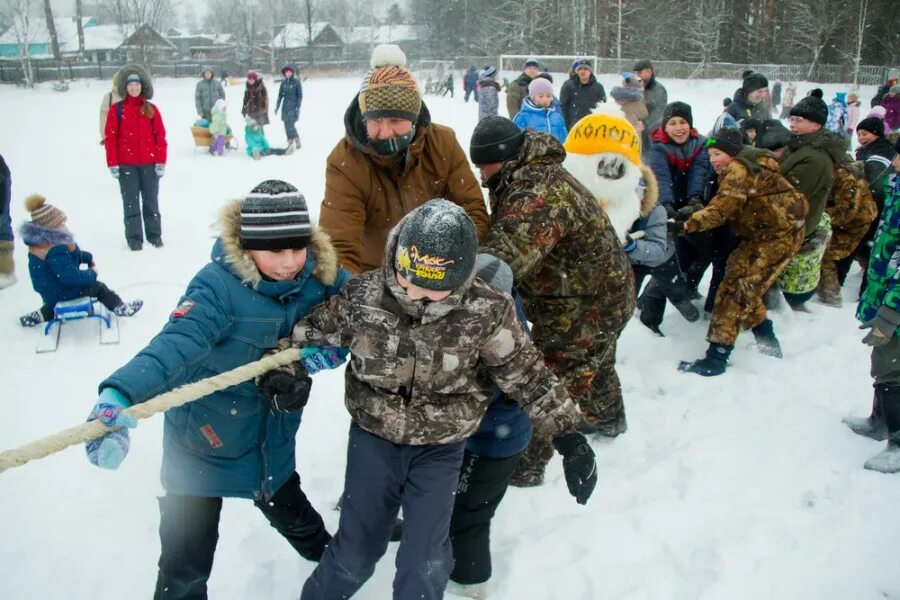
517	90
207	91
581	93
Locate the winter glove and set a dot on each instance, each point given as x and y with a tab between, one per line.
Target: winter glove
670	211
629	245
883	326
160	170
285	392
579	465
322	358
114	171
675	227
694	204
109	451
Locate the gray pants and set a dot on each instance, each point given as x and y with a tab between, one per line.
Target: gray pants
140	183
886	362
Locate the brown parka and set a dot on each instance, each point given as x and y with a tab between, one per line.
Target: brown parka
367	194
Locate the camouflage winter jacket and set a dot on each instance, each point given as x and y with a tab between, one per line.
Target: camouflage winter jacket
425	373
808	163
755	198
850	205
554	235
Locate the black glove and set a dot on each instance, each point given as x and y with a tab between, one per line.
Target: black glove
285	392
675	227
579	465
670	210
694	204
696	201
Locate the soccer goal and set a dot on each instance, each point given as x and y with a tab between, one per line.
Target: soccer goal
431	74
552	63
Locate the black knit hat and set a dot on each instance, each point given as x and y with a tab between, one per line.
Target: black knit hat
812	108
754	81
873	125
274	217
678	109
728	139
642	64
436	246
772	135
495	139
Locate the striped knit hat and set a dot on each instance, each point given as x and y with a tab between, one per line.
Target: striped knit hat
389	89
274	217
45	215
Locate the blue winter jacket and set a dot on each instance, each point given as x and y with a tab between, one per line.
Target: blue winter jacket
545	120
255	139
229	443
682	170
290	97
58	275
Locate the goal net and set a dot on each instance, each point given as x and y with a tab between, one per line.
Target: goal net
552	63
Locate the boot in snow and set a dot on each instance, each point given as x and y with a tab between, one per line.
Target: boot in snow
290	148
687	310
829	297
127	309
888	460
256	154
32	319
872	426
475	591
766	341
714	363
609	429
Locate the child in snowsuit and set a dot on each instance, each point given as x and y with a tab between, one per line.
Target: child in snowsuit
768	216
488	90
218	127
837	114
853	109
54	264
879	311
257	144
429	343
537	112
268	268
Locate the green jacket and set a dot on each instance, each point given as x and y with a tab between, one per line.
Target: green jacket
882	287
808	163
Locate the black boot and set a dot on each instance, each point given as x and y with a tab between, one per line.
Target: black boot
712	364
872	426
888	460
766	340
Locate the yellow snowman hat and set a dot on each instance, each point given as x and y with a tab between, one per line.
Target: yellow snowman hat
604	132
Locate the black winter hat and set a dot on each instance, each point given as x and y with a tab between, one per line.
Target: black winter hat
745	73
772	135
817	93
495	139
642	64
436	246
750	124
727	102
728	139
274	217
754	81
873	125
812	108
678	109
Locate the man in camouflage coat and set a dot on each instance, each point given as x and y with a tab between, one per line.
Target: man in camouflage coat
768	214
429	344
852	210
575	280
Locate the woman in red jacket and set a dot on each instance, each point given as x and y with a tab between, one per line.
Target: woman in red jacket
136	155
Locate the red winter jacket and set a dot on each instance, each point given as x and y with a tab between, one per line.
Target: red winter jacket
134	139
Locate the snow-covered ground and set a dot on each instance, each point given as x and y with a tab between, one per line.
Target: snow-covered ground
742	486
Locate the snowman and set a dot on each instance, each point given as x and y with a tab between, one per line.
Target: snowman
603	152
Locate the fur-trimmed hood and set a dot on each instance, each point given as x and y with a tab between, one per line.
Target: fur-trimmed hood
321	253
651	191
38	235
146	82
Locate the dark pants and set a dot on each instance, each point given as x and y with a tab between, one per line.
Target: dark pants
381	478
98	290
6	231
471	91
482	485
140	183
290	130
667	277
885	365
189	530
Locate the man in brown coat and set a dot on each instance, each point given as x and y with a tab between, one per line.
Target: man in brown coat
517	90
393	159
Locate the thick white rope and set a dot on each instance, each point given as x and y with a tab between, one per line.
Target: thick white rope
173	399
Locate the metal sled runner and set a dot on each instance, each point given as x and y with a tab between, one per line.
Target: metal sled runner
75	310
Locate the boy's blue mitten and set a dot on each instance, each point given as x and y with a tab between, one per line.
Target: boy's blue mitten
109	451
321	358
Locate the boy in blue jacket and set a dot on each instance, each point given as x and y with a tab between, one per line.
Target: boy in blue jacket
269	268
54	264
537	111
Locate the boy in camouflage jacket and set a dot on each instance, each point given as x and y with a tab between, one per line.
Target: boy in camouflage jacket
575	280
429	343
768	214
879	310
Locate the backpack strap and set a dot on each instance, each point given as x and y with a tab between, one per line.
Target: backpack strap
120	109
